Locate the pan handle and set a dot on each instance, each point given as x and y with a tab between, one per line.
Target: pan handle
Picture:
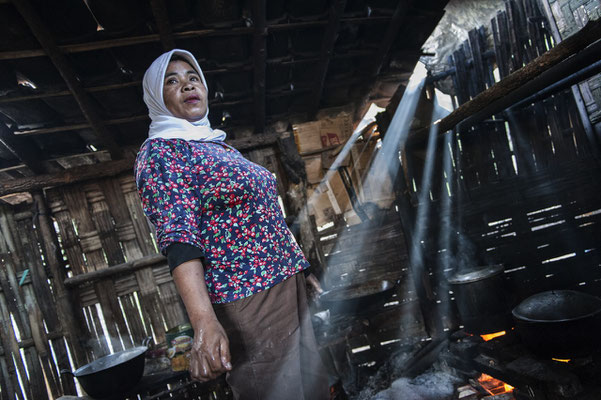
66	371
146	342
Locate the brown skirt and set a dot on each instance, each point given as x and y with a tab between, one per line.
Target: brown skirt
273	347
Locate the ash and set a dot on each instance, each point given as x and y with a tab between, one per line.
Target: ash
428	386
387	384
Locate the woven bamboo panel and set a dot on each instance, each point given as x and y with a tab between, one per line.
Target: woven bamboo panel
520	188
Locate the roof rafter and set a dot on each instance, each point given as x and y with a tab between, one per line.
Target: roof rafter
259	60
43	35
159	11
327	47
392	31
28	153
155	37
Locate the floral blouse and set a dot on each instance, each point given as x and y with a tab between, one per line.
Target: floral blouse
206	194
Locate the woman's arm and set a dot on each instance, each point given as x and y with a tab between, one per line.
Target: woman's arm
210	356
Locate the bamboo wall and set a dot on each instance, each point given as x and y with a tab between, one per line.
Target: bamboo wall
80	278
521	188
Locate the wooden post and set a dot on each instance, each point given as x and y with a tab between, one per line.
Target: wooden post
70	317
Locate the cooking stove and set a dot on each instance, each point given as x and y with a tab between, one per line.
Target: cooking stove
169	385
534	378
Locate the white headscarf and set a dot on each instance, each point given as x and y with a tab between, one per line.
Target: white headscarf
164	124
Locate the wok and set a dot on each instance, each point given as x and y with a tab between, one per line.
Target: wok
358	298
112	374
560	323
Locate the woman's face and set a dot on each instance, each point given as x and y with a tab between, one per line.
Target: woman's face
183	92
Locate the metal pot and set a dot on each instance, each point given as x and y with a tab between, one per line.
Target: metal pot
358	298
112	374
482	300
560	323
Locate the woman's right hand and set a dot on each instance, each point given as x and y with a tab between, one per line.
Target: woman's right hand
210	354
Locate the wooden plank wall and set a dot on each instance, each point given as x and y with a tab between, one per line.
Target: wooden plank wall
523	186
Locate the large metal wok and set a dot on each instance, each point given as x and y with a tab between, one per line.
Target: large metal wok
112	374
560	323
358	298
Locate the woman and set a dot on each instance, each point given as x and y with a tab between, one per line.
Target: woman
233	259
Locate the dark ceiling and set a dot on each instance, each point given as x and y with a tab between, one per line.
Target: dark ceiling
70	70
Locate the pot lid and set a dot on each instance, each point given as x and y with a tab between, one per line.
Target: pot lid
477	275
557	306
357	290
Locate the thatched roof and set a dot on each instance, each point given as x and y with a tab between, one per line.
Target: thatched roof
70	70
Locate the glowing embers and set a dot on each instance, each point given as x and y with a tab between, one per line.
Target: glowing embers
562	360
494	386
491	336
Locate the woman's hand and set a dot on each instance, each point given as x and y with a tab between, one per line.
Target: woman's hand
314	288
210	354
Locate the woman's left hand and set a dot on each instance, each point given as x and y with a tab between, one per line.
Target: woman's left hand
313	287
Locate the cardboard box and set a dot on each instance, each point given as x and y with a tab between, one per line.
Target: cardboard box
307	136
313	166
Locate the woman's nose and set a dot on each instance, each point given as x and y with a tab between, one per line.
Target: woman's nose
188	86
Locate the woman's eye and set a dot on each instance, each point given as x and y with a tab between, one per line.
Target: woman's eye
194	78
171	81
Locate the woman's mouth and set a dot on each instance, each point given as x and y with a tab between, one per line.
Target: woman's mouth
192	99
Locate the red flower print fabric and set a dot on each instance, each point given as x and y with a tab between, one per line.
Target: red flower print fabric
206	194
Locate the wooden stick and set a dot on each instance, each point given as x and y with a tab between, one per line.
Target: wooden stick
484	105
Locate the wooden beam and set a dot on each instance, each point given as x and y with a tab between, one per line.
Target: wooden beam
27	152
159	11
259	60
62	93
152	38
380	57
543	71
325	54
72	127
115	270
68	176
110	168
43	35
115	86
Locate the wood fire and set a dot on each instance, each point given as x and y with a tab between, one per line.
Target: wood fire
494	386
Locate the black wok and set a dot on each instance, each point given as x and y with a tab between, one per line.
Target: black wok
112	374
358	298
560	323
